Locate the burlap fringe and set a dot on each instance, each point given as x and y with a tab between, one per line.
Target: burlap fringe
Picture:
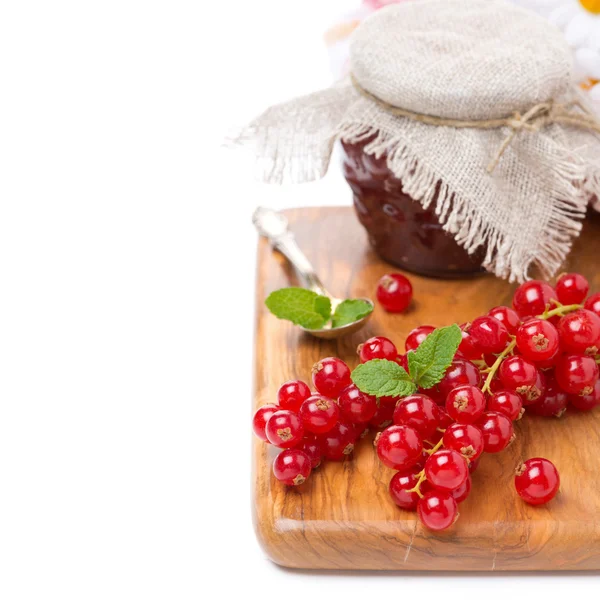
467	226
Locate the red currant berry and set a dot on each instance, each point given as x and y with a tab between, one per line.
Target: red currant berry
399	447
446	469
517	374
259	421
473	464
576	374
284	429
416	336
330	376
319	414
461	493
489	334
572	288
338	442
468	347
497	431
402	360
355	406
537	481
538	340
419	412
394	292
400	486
587	402
506	403
377	347
465	439
383	416
593	303
552	403
437	510
507	316
580	332
460	372
311	446
292	467
532	297
292	394
465	404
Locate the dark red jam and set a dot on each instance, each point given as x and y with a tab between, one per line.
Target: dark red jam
400	230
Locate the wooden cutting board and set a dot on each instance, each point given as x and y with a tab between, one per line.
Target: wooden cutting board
343	517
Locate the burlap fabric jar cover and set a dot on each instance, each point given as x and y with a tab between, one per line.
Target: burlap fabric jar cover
472	103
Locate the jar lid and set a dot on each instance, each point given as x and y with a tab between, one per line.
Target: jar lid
460	59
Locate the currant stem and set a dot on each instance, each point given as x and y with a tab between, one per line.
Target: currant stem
418	484
436	447
496	365
560	311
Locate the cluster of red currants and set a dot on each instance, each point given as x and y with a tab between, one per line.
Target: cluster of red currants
541	356
311	426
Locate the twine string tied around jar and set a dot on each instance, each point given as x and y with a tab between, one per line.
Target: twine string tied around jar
535	119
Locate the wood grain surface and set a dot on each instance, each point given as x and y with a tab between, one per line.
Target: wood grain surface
343	517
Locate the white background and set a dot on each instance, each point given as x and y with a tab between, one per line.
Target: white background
126	301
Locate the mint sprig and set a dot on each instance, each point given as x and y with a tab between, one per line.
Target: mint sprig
426	366
300	306
312	311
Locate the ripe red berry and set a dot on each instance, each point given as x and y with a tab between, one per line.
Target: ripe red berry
461	493
330	376
400	486
517	374
394	292
419	412
552	403
446	469
537	339
377	347
572	288
576	374
311	446
466	439
593	303
580	332
465	404
292	467
416	336
497	431
507	316
355	406
399	447
460	372
319	414
532	297
537	481
468	348
489	334
437	510
284	429
292	394
507	403
259	421
383	415
587	402
338	442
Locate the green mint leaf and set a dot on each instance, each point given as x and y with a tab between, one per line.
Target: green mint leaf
429	362
381	377
302	307
349	311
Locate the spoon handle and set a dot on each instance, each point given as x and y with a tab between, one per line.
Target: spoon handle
274	226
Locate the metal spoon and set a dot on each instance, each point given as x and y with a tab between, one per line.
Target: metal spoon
274	226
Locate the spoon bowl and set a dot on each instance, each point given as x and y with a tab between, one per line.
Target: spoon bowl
274	226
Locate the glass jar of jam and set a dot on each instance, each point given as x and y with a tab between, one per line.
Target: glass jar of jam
400	230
